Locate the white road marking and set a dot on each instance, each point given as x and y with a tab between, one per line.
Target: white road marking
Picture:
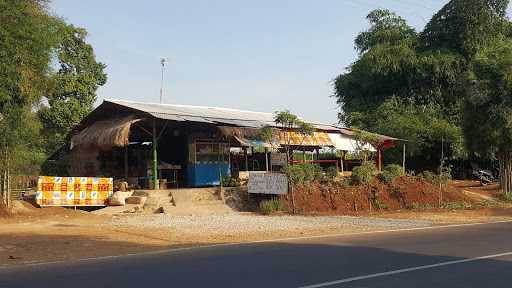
174	250
399	271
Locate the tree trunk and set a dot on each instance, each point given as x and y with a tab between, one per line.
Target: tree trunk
505	161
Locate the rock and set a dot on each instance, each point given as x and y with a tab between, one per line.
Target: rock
140	200
152	203
117	199
17	207
122	186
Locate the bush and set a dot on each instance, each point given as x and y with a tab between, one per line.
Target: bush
331	172
390	173
363	174
228	181
507	197
270	206
303	173
456	205
443	178
429	176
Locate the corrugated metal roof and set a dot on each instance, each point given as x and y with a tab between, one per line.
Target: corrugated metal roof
200	113
222	116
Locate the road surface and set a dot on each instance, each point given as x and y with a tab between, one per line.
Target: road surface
456	256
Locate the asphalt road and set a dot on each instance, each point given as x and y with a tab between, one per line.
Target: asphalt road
461	256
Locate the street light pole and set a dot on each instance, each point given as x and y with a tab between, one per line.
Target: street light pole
162	61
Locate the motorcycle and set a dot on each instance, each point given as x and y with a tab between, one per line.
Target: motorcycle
485	176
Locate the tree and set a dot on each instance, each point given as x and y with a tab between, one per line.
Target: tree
386	28
466	26
74	86
27	37
290	122
412	85
488	109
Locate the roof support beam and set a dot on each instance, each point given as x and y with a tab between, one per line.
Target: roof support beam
155	157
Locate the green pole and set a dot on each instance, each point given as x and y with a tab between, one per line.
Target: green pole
155	158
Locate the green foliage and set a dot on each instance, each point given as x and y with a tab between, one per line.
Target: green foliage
331	172
229	181
413	86
390	173
27	37
442	178
303	173
386	28
424	126
267	134
32	40
507	196
291	122
363	174
418	206
456	205
268	207
364	142
377	204
74	86
466	26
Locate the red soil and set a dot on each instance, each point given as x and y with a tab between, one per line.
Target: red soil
338	198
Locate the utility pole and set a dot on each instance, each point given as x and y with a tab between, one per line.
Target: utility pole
162	62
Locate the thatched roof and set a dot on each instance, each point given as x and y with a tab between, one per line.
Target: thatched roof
105	134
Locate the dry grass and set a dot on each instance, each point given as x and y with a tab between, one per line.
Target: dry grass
105	134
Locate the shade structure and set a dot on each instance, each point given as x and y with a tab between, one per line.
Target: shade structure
105	134
317	139
345	143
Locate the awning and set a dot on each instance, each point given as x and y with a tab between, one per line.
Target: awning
318	139
105	134
244	142
345	143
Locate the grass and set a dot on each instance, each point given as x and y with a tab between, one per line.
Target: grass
268	207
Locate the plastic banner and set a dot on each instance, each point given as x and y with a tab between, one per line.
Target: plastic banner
73	191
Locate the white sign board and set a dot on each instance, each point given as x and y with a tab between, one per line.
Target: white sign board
278	159
268	183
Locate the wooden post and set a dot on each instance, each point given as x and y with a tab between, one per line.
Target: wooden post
403	159
8	186
379	158
155	157
126	162
342	160
266	159
246	159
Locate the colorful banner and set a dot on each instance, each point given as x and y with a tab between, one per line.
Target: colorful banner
73	191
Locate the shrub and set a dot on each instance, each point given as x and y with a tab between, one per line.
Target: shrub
390	173
443	178
303	173
507	197
363	174
270	206
429	176
380	205
331	172
229	181
456	205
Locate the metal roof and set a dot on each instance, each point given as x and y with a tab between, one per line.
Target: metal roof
202	114
222	116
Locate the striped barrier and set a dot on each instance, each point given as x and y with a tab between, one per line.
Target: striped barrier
73	191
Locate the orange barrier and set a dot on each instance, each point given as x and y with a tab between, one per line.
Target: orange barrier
73	191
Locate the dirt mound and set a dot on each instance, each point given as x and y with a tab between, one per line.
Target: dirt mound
20	208
338	198
4	212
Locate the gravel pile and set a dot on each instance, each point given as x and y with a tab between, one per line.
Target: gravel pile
235	223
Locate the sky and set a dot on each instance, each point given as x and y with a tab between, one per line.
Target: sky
265	55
